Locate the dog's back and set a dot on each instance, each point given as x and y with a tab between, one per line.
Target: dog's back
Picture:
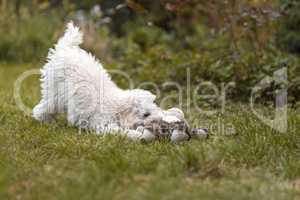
69	70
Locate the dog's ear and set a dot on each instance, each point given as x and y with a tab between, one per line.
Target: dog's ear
128	112
127	104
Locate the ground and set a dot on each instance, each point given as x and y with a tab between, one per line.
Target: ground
54	161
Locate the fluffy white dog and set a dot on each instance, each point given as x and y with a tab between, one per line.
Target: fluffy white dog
74	82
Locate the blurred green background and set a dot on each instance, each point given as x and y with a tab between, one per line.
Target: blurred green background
158	40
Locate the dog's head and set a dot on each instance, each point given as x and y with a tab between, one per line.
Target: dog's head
139	109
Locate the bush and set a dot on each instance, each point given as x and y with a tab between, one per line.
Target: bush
289	34
151	54
27	39
160	41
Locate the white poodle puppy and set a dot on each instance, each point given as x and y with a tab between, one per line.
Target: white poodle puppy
74	82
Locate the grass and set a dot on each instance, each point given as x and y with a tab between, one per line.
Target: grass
53	161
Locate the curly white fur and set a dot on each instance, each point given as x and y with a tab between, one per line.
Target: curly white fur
74	82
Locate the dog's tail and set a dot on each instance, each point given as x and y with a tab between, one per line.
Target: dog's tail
71	38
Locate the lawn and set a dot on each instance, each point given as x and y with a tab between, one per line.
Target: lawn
53	161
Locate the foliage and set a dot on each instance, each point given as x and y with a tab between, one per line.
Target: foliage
27	39
158	41
289	34
151	54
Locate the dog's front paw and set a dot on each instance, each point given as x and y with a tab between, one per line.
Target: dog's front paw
147	135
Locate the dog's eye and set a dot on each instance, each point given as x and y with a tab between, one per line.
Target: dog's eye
147	114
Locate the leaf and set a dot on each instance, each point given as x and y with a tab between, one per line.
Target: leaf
135	6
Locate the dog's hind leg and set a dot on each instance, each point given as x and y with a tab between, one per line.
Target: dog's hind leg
43	112
54	94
